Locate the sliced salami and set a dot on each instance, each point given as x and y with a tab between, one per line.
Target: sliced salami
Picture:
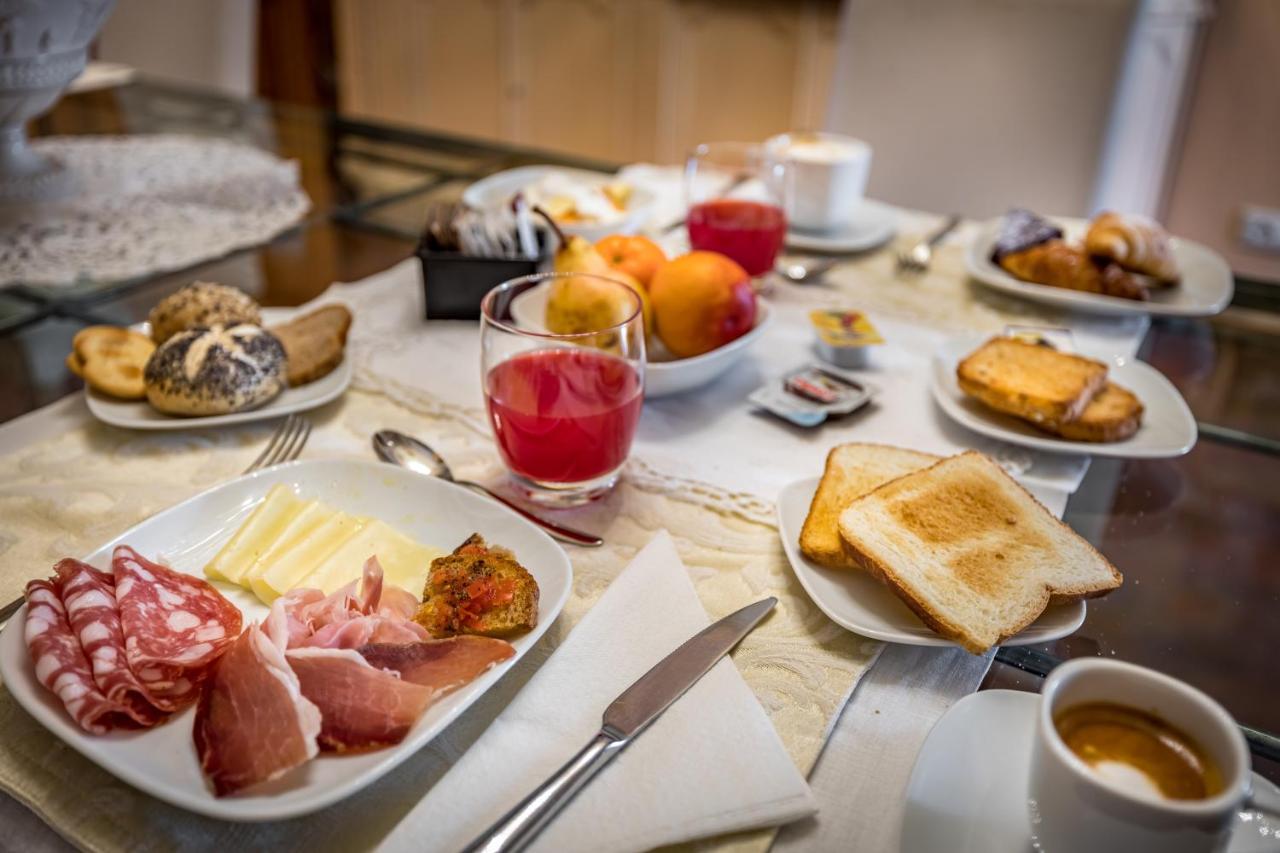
89	599
60	663
174	626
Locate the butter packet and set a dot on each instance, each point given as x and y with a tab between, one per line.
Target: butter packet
843	336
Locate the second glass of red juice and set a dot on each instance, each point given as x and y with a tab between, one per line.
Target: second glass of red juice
735	193
563	407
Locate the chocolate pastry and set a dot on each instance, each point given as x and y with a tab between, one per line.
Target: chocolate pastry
1021	230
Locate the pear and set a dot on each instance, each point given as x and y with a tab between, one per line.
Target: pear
578	304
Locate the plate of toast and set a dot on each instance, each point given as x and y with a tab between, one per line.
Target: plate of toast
909	547
1112	264
1033	394
209	355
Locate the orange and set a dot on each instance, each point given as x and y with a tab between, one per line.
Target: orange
638	257
701	301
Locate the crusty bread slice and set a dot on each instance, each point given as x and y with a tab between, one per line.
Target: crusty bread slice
314	343
1034	382
1113	414
970	551
852	471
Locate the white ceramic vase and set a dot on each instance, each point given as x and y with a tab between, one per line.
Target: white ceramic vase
43	46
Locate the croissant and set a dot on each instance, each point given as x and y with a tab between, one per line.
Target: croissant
1059	264
1137	244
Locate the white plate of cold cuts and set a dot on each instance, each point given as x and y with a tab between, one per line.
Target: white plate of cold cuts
201	651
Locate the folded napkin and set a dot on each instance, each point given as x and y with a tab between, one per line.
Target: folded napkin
711	764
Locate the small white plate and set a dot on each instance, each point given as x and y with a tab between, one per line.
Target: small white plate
497	190
1168	428
1206	287
968	790
661	378
162	761
857	601
139	414
873	224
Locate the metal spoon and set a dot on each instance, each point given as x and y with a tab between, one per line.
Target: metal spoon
800	272
407	452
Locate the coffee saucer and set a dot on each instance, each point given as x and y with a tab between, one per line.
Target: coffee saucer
874	223
968	789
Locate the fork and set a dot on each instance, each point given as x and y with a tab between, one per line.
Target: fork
285	446
917	258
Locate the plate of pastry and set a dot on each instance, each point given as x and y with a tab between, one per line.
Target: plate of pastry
589	204
1112	264
908	547
1031	393
208	355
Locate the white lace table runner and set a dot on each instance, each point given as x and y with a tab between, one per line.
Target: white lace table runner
147	204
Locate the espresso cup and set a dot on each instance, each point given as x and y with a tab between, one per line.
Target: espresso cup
1072	806
828	176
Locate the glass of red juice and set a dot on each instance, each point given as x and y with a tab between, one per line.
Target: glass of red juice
563	407
735	192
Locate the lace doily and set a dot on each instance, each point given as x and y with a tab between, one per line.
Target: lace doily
148	204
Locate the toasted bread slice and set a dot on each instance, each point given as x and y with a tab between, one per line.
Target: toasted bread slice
852	471
1034	382
314	343
478	589
970	551
1113	414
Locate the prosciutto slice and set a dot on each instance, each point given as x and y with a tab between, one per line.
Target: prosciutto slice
253	724
361	707
89	599
60	663
174	625
362	612
442	665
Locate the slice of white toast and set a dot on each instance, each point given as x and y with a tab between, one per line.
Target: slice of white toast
852	470
970	551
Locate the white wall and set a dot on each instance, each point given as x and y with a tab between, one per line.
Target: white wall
209	43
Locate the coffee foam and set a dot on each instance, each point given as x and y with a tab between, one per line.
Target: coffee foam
1127	778
822	150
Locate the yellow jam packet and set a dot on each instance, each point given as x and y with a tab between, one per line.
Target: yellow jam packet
844	328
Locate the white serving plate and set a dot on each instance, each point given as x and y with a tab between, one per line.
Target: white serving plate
872	225
1206	287
139	414
857	601
1168	428
497	190
661	378
968	789
162	761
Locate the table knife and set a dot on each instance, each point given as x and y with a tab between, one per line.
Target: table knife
624	720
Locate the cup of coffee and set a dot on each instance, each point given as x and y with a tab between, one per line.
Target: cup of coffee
1126	758
828	174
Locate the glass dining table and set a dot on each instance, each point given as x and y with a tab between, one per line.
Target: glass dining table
1196	536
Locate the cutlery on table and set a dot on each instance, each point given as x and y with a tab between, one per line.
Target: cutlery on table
807	271
918	257
407	452
285	445
624	720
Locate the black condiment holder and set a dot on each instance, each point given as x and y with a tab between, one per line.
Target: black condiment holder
453	283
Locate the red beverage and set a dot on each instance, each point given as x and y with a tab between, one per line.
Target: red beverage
564	415
750	232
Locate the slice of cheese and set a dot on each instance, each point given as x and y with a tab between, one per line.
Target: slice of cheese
283	572
255	535
404	562
311	516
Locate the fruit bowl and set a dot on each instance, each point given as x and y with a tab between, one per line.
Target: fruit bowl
498	189
664	375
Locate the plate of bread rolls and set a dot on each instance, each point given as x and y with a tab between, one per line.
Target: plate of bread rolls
209	355
1112	264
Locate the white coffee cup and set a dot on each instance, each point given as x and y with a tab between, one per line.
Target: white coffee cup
1073	808
827	174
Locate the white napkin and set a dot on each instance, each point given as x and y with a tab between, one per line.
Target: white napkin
711	764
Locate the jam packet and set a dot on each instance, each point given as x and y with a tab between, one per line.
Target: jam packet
843	336
808	396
